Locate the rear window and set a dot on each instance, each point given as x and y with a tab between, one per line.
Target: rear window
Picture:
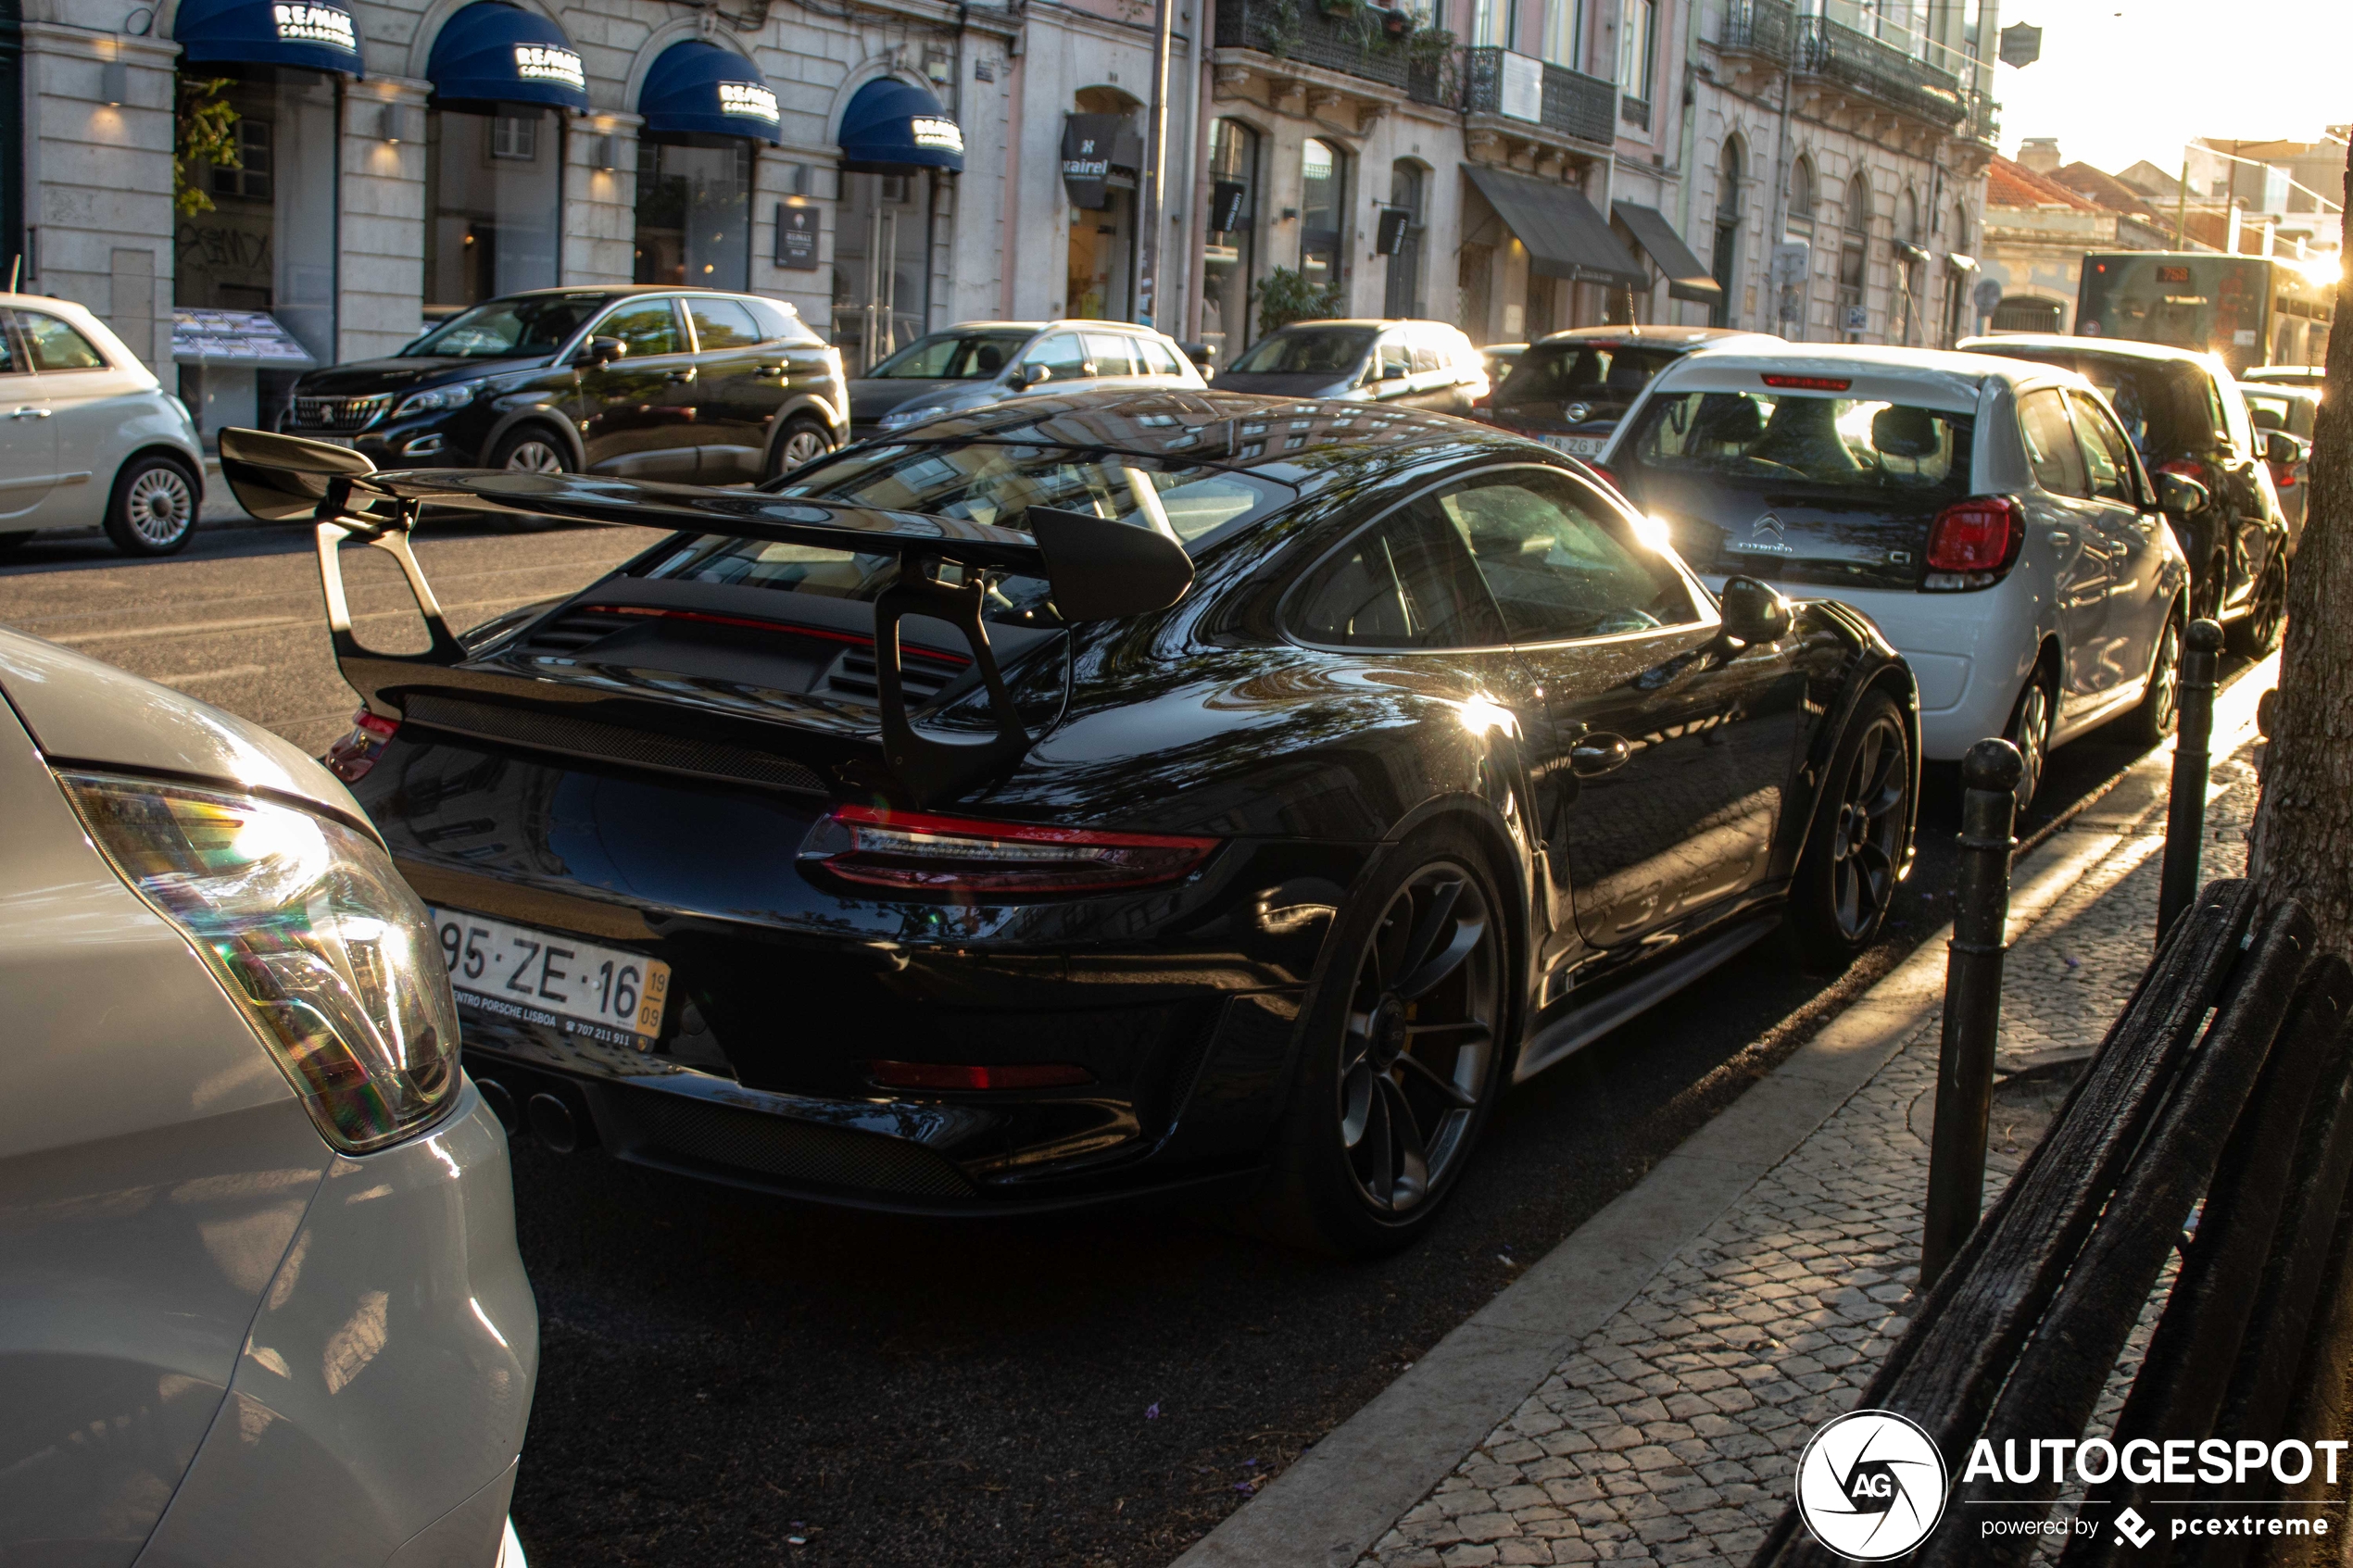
1846	444
1562	372
1319	350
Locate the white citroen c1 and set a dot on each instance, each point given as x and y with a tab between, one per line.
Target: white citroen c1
1989	514
259	1295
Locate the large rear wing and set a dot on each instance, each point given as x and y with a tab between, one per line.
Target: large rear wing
1097	570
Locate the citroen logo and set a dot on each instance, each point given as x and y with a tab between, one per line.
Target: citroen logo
1769	523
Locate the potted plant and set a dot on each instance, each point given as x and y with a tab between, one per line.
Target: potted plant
1285	296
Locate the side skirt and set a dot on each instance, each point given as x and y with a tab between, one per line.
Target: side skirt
1581	1026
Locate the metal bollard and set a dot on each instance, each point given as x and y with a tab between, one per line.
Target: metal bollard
1973	1004
2186	808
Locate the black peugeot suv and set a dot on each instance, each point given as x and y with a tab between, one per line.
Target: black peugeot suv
641	382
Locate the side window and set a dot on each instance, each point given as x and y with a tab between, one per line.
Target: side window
1061	353
648	326
1429	353
2108	459
721	324
56	346
780	325
2230	415
1395	358
1558	566
1157	358
1405	582
12	359
1111	354
2050	444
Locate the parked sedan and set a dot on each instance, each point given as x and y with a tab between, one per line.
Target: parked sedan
984	362
2184	415
638	383
1411	364
1323	768
259	1295
1989	515
2313	376
88	437
1571	389
2284	419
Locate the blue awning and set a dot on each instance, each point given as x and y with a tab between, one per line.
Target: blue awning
894	127
699	88
268	32
493	52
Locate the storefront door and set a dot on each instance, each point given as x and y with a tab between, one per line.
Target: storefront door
882	273
694	212
1103	253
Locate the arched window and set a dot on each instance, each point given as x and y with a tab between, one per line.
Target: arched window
1853	265
1323	208
1229	254
1801	196
1910	256
1729	179
1406	262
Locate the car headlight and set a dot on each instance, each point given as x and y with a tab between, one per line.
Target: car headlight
456	395
311	933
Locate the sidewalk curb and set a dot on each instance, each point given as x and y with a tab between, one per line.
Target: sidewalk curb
1343	1494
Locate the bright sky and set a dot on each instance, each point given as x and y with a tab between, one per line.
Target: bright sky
2125	80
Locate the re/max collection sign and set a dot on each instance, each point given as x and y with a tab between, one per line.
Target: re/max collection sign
316	24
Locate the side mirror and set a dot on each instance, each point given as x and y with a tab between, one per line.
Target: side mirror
1754	612
2178	495
1031	375
2283	450
1391	371
1203	356
602	350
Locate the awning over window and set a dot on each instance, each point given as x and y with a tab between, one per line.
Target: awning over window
493	52
698	88
268	32
894	127
1686	279
1565	236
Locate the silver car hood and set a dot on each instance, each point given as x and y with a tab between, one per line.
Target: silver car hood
80	711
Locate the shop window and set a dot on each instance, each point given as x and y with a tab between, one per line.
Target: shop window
1724	261
1100	277
694	213
1322	209
1854	267
1229	260
494	193
1405	185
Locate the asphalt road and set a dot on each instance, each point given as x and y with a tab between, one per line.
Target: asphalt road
727	1378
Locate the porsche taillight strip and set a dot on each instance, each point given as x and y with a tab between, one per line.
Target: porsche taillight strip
822	634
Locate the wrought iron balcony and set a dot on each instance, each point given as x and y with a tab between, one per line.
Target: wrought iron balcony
1760	27
1354	40
1856	60
1570	103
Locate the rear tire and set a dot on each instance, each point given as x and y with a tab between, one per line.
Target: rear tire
11	543
153	509
2152	723
1409	1037
803	441
2256	633
2030	731
530	449
1862	826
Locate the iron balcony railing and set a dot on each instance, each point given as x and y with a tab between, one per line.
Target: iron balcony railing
1353	40
1572	104
1760	27
1856	59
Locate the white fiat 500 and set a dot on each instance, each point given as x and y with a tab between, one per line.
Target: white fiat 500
88	437
1989	514
259	1295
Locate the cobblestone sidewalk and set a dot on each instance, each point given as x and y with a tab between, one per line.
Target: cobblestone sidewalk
1671	1434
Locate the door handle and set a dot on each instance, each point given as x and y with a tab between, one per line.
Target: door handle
1597	754
676	376
771	371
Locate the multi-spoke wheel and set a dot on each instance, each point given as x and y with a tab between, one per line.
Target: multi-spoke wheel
804	441
1862	828
529	451
153	509
2030	731
1420	1044
2153	720
1408	1044
2257	632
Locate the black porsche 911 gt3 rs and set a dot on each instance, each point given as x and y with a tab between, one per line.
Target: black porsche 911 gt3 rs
1118	793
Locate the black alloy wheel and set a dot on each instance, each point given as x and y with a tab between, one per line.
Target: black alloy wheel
2257	632
1408	1048
1864	820
2160	708
1420	1046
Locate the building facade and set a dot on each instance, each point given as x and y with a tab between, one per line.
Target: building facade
2037	228
245	188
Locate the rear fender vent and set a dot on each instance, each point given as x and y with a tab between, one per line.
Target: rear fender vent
609	743
572	630
853	676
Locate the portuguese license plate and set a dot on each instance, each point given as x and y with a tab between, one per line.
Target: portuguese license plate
1577	445
553	979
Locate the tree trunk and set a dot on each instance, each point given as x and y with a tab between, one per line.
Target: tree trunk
2303	840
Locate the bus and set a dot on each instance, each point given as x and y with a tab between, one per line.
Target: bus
2250	310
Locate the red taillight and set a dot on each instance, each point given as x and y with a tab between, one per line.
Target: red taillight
350	758
951	1075
2283	476
1972	542
2188	468
922	853
1811	383
1607	476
